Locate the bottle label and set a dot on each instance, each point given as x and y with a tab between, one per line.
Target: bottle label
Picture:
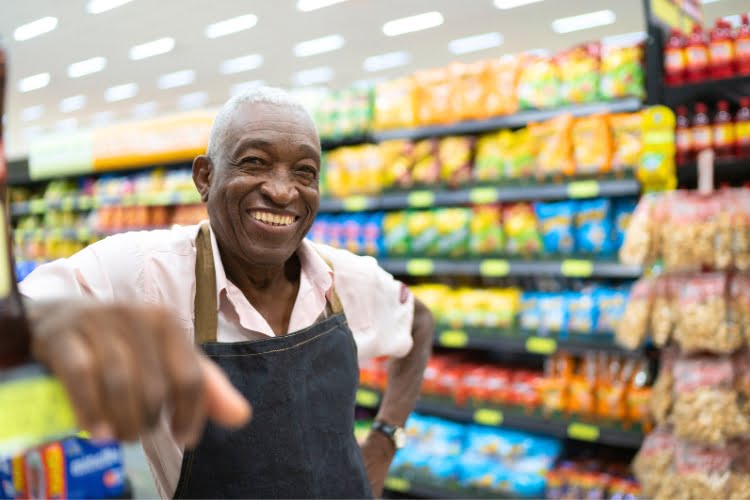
674	60
5	275
742	48
701	137
683	139
724	134
697	57
722	52
742	132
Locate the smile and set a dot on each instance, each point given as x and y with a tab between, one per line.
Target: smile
273	219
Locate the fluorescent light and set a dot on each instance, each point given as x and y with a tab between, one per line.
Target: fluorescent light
99	6
625	40
229	26
413	23
33	82
32	113
240	64
475	43
35	28
86	67
319	45
308	5
102	118
386	61
239	88
150	49
145	109
312	76
583	21
121	92
72	103
512	4
176	79
67	124
704	2
192	100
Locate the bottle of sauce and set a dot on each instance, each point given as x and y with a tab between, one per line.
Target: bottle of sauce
674	59
696	52
742	128
721	50
742	47
683	136
723	131
701	129
15	337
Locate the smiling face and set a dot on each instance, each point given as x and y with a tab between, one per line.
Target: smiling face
262	186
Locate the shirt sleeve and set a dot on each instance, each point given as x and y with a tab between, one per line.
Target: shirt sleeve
378	308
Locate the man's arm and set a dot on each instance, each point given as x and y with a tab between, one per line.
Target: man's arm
404	382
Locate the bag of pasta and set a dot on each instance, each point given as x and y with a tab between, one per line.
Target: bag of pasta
703	470
660	404
663	311
654	459
639	244
739	480
739	296
633	326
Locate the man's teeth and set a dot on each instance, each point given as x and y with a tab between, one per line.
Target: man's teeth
272	219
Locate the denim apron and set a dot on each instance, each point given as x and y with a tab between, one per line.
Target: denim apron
300	442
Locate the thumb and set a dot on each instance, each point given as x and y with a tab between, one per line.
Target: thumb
224	404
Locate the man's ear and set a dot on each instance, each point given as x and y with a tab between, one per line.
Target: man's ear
203	171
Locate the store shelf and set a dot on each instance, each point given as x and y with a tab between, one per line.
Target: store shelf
575	428
510	121
709	90
732	171
400	487
493	268
493	340
327	143
82	234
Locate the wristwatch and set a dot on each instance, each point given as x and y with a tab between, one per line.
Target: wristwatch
394	432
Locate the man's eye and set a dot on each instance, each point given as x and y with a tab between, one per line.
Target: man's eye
253	160
308	172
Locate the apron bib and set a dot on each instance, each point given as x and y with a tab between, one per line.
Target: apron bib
300	442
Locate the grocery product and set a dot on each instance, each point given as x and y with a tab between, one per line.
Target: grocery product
471	89
452	226
396	239
520	156
634	324
554	146
582	312
394	104
721	50
697	55
622	213
683	136
426	157
592	145
674	58
622	73
626	140
589	478
556	226
491	152
486	231
742	46
579	74
423	232
654	459
701	129
454	156
520	228
723	131
397	159
742	125
594	227
433	90
610	308
502	83
538	83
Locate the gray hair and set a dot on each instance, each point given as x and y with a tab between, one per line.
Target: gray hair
265	95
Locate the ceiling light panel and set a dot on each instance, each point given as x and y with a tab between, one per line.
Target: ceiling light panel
87	67
72	103
193	100
32	113
121	92
151	49
145	109
176	79
512	4
230	26
102	118
99	6
475	43
386	61
413	23
67	125
35	28
583	21
313	76
319	45
308	5
240	64
33	82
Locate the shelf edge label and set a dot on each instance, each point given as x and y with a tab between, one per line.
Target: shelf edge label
419	267
583	189
421	199
453	338
487	416
355	203
541	345
398	484
484	195
367	398
583	432
494	268
577	268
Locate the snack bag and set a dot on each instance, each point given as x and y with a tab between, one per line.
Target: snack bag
654	460
372	234
627	138
623	213
638	393
592	145
490	156
622	72
538	83
664	310
703	470
583	386
739	292
520	154
582	313
423	232
397	158
662	397
554	146
741	234
433	91
471	86
610	386
452	232
633	326
501	84
554	308
556	226
486	231
426	168
579	74
454	156
520	228
396	233
594	227
640	243
503	305
394	104
558	370
610	308
530	317
688	240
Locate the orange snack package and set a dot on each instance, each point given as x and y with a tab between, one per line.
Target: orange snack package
434	89
592	145
394	104
502	80
554	146
583	386
471	89
553	389
627	140
610	386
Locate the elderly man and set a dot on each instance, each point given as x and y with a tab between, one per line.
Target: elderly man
286	321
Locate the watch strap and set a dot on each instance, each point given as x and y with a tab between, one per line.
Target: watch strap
387	429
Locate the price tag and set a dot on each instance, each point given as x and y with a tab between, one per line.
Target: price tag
541	345
37	206
355	203
583	432
484	195
421	199
367	398
583	189
494	268
398	484
486	416
453	338
575	268
420	267
68	203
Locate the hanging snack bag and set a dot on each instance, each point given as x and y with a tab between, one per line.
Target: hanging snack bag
454	156
741	234
703	471
579	74
520	228
592	145
634	324
627	138
739	293
394	104
664	309
594	227
538	83
556	226
639	243
554	146
486	231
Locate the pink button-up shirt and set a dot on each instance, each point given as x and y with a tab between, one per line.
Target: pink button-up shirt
158	267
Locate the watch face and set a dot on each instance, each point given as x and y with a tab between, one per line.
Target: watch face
399	438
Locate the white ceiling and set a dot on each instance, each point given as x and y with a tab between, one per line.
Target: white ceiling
80	35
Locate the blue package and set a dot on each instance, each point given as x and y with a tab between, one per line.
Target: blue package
610	304
372	235
556	226
351	232
6	480
319	229
594	227
530	316
623	211
553	311
582	312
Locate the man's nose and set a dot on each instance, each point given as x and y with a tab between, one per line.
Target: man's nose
279	189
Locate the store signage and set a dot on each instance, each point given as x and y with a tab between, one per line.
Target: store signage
679	14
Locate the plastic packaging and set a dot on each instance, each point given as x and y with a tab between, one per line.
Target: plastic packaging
723	131
696	51
721	50
556	226
683	136
674	58
742	126
742	46
701	129
592	145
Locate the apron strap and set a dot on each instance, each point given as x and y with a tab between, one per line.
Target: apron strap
334	302
206	308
